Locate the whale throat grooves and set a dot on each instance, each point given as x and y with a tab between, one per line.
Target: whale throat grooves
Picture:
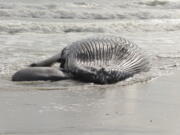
104	60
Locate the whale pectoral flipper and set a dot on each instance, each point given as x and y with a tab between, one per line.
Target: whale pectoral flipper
39	74
47	62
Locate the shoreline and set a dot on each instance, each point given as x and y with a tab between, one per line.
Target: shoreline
147	108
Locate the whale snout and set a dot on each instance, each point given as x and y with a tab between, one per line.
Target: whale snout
39	73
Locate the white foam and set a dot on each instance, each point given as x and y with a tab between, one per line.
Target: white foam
153	9
19	26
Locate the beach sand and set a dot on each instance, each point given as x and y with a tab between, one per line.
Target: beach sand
143	108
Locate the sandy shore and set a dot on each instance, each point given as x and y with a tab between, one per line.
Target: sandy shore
151	108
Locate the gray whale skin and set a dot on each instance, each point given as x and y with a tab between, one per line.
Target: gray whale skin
101	60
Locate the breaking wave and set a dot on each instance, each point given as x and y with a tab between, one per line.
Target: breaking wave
66	14
168	4
89	10
17	26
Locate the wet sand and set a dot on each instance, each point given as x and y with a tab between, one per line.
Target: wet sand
150	108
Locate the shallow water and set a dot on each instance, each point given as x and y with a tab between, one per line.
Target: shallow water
19	50
34	30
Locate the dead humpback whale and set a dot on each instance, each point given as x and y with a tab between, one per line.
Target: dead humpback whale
102	60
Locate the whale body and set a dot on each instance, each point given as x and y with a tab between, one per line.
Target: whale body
102	60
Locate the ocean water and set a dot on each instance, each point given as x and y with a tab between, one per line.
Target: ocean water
32	30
